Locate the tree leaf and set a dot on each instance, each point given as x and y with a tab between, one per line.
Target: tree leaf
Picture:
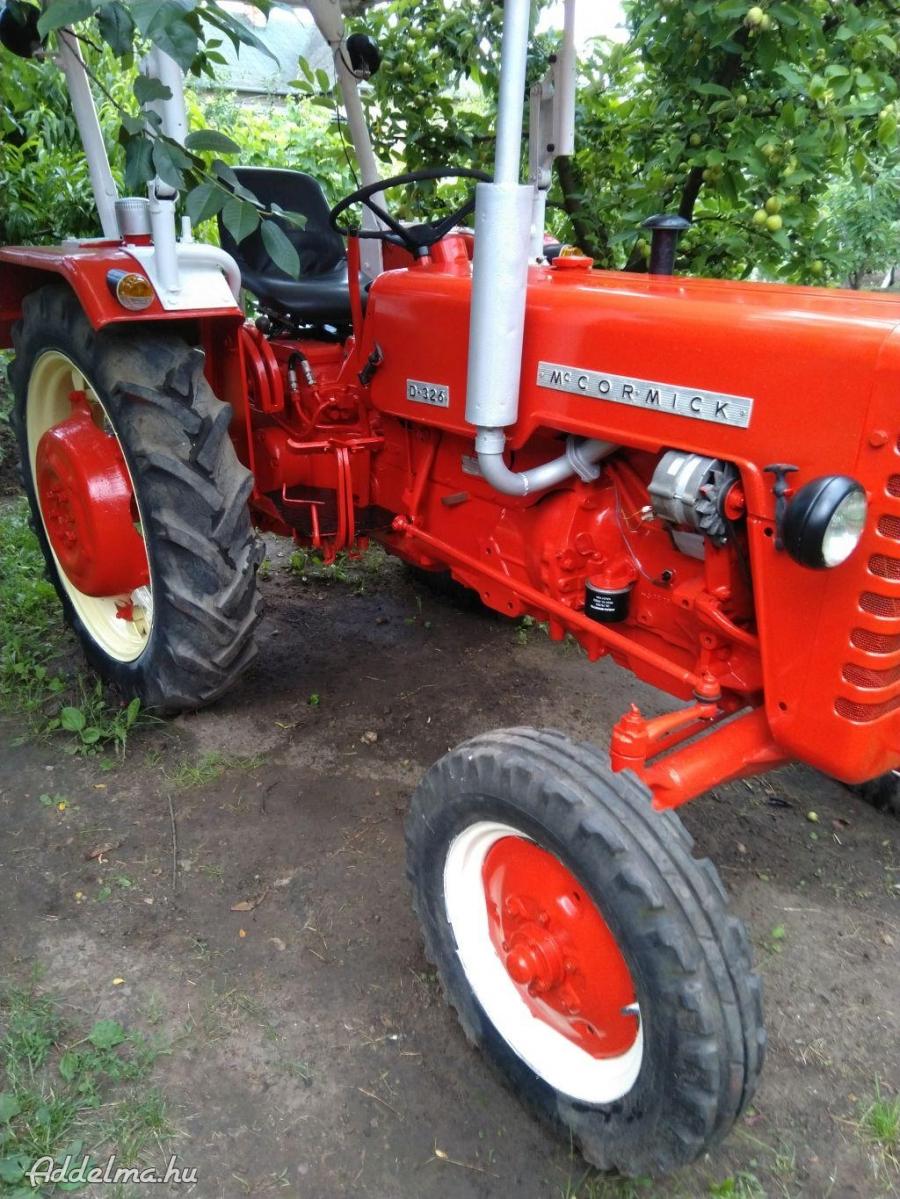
204	201
138	162
147	88
106	1034
72	720
236	30
116	28
169	160
64	12
225	173
168	25
239	218
9	1107
211	140
279	248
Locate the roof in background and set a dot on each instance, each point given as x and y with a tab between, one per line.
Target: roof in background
289	33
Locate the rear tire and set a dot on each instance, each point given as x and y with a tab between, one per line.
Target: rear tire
694	1063
191	491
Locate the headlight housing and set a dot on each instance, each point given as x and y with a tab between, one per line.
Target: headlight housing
825	521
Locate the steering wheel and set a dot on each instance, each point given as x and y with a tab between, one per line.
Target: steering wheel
415	238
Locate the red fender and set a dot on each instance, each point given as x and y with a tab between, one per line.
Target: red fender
23	269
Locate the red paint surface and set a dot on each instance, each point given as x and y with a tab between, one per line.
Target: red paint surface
558	949
88	506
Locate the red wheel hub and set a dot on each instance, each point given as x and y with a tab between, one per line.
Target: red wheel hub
88	506
558	949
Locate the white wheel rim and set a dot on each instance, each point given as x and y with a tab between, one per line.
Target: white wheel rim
561	1063
53	378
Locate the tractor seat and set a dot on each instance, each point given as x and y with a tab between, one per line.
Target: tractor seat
321	295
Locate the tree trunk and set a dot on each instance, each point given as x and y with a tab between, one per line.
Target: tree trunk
572	187
726	76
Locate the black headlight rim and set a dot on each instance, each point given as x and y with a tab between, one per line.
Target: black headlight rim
809	514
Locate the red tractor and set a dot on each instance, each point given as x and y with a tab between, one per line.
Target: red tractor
698	478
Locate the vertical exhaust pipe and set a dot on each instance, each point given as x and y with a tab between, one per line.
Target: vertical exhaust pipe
503	219
503	213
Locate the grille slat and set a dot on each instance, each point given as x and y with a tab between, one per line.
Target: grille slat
875	643
874	676
887	606
885	566
862	713
868	677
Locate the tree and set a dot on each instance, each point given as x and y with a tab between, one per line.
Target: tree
863	226
739	115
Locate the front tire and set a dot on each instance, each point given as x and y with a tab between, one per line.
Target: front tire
175	628
557	905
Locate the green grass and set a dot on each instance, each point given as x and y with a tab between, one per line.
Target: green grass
879	1125
36	684
65	1091
208	768
356	569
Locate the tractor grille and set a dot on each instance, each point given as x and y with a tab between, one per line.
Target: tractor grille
872	679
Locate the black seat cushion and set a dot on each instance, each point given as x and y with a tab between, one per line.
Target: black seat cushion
321	294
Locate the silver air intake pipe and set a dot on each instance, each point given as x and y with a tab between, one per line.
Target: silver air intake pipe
503	219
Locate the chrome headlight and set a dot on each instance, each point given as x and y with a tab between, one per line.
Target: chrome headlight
825	521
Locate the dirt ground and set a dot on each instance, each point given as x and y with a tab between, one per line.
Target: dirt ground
311	1053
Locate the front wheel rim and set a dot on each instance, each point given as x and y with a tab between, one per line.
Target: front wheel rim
586	1041
119	623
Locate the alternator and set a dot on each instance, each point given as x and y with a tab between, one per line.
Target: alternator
687	489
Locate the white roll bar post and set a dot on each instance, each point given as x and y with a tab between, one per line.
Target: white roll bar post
552	125
330	22
71	64
172	112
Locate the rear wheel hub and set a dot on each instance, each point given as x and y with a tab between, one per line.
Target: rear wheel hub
88	505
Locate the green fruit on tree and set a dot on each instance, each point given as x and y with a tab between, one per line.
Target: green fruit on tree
695	139
760	216
773	205
741	101
766	23
774	223
754	16
817	267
